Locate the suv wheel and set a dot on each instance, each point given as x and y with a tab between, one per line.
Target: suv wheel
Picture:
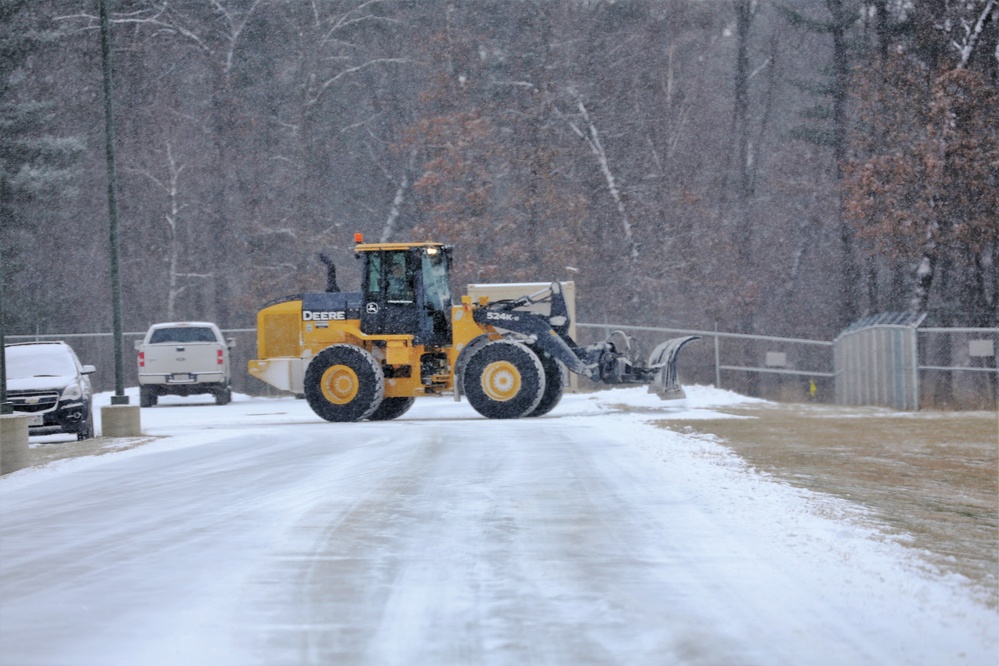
85	430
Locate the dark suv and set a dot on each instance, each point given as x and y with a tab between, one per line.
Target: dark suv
47	383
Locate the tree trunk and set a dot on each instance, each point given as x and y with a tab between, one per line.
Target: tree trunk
744	194
850	291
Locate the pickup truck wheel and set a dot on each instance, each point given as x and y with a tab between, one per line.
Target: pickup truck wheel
554	384
223	396
344	383
391	408
504	380
147	397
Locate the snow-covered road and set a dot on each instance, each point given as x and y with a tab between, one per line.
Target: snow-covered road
257	534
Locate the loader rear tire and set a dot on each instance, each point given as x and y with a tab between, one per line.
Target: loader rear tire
504	380
554	384
391	408
344	383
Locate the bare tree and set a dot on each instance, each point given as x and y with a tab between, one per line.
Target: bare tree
585	128
177	232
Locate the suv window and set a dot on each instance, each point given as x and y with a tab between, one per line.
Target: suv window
182	334
39	361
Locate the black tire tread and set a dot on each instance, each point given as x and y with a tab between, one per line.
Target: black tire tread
223	396
554	384
147	397
369	374
532	380
86	430
391	408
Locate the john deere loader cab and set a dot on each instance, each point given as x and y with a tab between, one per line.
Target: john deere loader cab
407	291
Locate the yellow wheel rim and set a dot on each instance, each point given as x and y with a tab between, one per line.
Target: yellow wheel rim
339	384
501	381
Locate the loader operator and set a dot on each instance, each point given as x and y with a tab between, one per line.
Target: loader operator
399	288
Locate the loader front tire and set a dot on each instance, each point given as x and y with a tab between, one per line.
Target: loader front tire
391	408
554	384
344	383
504	380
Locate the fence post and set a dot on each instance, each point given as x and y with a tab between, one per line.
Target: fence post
914	358
717	360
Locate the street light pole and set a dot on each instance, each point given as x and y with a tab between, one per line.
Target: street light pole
5	407
119	397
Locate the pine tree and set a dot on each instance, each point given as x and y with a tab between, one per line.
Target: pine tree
35	165
33	162
826	125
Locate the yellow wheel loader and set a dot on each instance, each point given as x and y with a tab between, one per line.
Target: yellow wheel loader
369	354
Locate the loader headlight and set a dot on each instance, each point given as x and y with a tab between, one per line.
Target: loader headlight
432	250
72	392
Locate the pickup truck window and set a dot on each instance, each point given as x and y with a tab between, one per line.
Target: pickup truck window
181	335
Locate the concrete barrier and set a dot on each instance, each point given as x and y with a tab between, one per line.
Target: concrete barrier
13	443
120	421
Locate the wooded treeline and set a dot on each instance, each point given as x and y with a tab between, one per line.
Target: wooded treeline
781	168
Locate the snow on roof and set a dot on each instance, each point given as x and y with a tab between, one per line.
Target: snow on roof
911	319
176	324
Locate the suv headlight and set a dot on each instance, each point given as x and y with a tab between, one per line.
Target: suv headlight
72	392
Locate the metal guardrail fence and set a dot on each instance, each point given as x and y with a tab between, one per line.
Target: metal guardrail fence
97	349
780	368
957	367
773	367
887	359
898	373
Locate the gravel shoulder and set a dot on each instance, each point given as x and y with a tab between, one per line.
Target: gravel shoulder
931	478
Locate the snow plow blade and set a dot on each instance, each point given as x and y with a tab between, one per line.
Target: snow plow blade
664	357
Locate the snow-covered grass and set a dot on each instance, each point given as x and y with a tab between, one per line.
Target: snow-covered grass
928	478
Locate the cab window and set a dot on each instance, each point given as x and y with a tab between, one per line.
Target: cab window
398	279
373	280
435	282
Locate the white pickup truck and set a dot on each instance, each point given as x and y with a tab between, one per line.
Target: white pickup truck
184	358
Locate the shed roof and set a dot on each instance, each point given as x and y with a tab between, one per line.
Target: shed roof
910	319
